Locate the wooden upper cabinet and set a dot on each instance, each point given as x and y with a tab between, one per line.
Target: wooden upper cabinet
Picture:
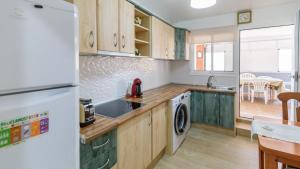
87	25
171	42
126	37
156	38
187	45
159	129
108	25
159	39
182	45
163	40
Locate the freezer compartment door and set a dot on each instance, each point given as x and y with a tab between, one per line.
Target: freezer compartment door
38	44
48	144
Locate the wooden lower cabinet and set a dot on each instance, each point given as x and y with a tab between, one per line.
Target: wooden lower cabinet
134	143
227	111
100	153
197	107
159	129
213	108
142	139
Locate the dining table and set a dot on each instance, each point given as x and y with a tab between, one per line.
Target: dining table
274	83
274	151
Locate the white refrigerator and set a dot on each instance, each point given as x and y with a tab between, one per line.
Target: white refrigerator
39	119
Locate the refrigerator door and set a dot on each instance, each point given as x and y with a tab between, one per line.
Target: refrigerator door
38	44
52	144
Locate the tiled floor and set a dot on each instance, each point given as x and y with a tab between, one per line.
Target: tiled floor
273	109
209	150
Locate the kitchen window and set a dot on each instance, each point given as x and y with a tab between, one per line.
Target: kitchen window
217	57
213	49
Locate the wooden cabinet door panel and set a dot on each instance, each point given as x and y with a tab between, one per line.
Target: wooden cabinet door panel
159	129
126	27
143	141
187	45
108	25
157	47
87	25
126	145
134	143
170	42
227	111
211	108
180	43
197	107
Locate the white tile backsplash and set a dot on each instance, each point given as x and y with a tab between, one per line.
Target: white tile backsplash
106	78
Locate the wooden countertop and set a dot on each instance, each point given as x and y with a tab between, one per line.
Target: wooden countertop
151	99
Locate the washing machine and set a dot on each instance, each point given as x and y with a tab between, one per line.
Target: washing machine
180	120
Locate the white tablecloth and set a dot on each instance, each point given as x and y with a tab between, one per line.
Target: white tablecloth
276	131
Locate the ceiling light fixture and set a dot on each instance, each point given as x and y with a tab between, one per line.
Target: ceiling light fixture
199	4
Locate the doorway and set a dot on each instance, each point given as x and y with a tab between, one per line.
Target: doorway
266	68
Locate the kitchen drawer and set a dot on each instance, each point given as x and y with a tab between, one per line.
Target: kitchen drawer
100	153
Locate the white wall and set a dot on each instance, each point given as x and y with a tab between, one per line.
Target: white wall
106	78
263	17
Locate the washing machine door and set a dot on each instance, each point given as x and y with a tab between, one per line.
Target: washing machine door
181	118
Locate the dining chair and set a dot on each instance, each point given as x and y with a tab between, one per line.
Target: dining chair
298	114
247	77
284	98
242	85
259	86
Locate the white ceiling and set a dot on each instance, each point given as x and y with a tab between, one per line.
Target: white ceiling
179	10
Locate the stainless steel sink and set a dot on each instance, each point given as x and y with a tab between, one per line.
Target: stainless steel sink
223	88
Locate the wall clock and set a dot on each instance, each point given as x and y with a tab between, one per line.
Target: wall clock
244	17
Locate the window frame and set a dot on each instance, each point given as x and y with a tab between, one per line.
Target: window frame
211	72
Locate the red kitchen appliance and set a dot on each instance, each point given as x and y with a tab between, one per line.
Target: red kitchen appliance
136	90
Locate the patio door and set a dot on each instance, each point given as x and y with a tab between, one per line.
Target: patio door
295	68
269	65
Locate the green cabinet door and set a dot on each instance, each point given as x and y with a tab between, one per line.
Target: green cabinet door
211	108
227	111
197	105
100	153
180	41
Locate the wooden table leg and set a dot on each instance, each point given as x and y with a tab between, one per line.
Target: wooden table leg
261	159
270	162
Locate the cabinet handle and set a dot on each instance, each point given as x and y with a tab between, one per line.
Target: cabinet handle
107	162
102	145
91	39
115	40
150	121
167	53
123	41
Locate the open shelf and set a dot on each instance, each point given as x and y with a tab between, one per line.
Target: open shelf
140	28
142	33
139	41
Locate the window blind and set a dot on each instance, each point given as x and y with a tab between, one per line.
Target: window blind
220	34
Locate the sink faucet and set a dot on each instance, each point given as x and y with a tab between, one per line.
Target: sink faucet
210	81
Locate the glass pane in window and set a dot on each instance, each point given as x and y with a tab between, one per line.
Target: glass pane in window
285	60
219	61
223	56
208	56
